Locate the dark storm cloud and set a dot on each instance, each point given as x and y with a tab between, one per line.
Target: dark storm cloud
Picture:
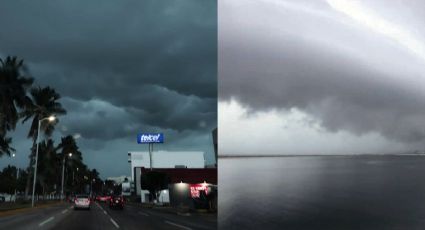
153	42
97	119
302	55
144	56
121	67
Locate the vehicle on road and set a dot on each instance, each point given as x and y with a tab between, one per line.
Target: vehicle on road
82	201
103	198
116	201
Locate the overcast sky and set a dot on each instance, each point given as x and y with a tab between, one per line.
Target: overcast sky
121	67
321	77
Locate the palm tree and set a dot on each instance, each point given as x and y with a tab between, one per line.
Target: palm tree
69	145
5	147
44	103
13	97
48	168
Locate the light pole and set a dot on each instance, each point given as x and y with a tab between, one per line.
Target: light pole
63	173
50	118
17	176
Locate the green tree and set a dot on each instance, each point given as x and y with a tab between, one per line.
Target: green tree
48	167
22	180
13	98
8	179
108	187
5	146
44	103
73	164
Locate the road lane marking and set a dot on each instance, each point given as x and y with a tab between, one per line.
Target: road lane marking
99	206
46	221
177	225
110	218
115	223
142	213
64	211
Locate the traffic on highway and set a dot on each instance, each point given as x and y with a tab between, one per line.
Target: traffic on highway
100	215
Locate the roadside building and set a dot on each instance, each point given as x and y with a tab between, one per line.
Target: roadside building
193	188
119	179
162	159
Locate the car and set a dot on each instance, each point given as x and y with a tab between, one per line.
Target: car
82	201
116	201
103	198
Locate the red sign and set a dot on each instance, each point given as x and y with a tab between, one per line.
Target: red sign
196	188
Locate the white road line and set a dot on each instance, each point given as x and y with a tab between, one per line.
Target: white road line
105	212
99	206
178	225
142	213
46	221
64	211
115	223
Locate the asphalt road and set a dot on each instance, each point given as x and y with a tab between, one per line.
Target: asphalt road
100	216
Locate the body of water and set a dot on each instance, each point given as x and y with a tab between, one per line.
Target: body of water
322	192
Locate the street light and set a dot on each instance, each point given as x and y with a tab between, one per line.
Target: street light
17	175
50	119
63	173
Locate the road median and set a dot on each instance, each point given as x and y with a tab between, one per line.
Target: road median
16	208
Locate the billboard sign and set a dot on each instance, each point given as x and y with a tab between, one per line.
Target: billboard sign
196	188
147	138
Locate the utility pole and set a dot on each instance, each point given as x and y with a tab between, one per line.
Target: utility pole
16	185
150	154
51	118
63	174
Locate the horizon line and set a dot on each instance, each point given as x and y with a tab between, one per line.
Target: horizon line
311	155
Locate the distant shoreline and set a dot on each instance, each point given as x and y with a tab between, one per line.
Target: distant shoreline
318	155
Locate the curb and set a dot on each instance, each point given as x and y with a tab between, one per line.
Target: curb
26	209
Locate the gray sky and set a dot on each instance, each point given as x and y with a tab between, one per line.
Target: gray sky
121	68
313	77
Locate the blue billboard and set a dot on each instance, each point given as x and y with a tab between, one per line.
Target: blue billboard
147	138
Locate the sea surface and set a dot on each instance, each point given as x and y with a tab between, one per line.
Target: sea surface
322	192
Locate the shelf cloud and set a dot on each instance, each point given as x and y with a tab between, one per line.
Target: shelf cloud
353	67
